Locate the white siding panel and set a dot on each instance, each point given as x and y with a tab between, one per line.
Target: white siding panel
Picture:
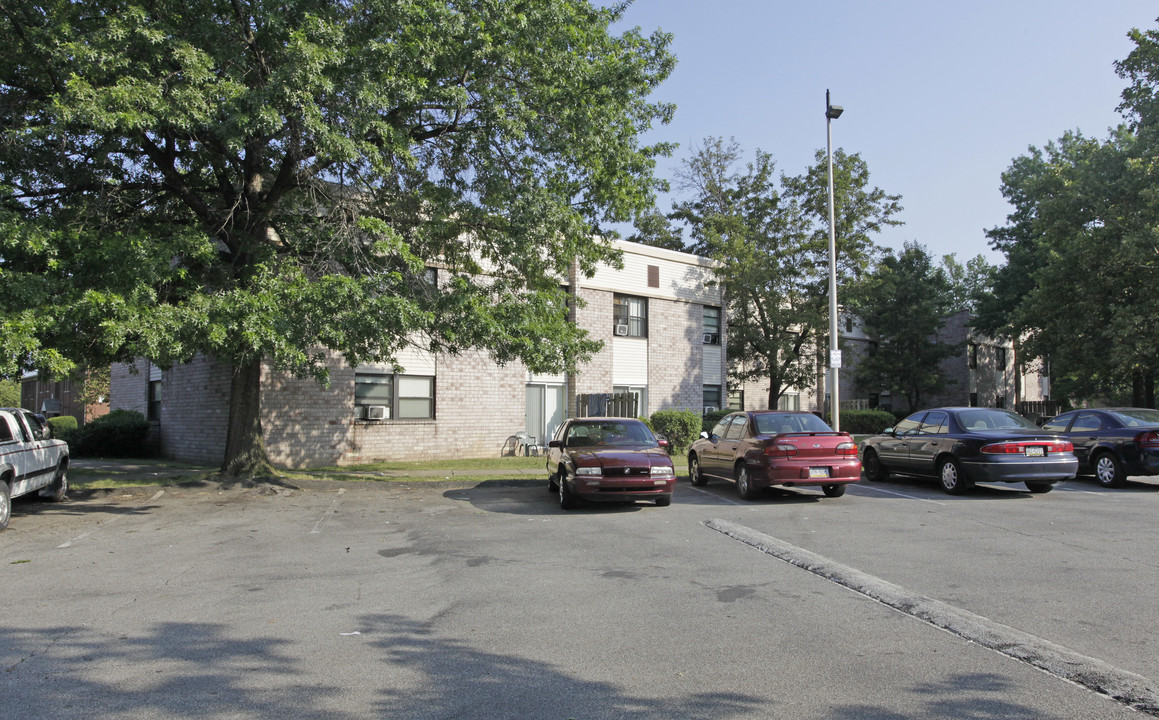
682	276
560	379
629	361
711	368
412	360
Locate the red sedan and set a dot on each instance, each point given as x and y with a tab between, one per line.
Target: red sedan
764	448
609	459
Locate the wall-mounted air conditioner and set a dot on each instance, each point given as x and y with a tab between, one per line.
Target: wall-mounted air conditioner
710	338
622	330
377	412
709	408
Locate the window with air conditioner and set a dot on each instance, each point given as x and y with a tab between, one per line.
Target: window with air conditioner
711	398
711	325
630	316
384	396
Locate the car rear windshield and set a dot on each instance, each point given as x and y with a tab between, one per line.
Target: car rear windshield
612	432
774	423
987	419
1137	417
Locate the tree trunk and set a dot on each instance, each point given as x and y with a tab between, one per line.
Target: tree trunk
245	448
1138	395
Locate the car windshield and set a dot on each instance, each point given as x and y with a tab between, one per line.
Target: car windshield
1137	417
774	423
990	419
613	433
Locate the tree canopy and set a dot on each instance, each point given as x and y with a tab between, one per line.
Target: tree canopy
769	235
1080	287
266	181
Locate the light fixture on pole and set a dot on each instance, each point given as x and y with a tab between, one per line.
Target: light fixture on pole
832	112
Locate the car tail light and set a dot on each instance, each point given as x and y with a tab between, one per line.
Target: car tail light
1019	448
780	450
847	448
1148	440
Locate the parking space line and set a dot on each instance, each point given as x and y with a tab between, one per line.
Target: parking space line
330	511
1129	688
105	524
891	492
730	501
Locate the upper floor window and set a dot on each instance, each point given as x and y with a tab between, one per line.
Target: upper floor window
630	316
1000	353
711	325
973	357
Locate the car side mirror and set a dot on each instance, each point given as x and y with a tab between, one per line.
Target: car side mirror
555	444
663	442
888	431
703	435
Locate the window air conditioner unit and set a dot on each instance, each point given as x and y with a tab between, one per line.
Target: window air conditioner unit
377	412
710	338
709	408
621	329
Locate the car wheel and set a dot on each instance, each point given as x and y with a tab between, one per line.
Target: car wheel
744	483
1039	487
695	474
951	478
59	487
664	501
1108	470
567	499
874	470
5	505
833	490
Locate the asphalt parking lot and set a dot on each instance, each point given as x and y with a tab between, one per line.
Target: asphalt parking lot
485	600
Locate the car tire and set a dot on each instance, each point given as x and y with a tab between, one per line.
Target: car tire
951	477
1108	470
5	504
744	483
567	498
58	490
833	491
695	474
874	470
664	500
1039	487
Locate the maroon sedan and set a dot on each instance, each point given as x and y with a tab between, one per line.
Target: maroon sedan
764	448
609	459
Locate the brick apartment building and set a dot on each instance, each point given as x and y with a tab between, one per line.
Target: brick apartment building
660	317
54	397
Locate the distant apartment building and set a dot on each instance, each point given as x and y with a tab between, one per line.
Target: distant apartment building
660	318
54	397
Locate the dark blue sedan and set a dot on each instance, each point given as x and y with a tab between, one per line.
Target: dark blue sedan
960	446
1112	443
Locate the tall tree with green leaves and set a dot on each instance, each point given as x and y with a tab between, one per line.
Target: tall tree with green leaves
903	304
769	235
263	182
1082	245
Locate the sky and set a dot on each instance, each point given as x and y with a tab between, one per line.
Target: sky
939	97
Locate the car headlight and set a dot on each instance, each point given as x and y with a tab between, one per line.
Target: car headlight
594	470
662	470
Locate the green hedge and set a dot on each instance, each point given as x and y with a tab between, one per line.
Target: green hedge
121	433
866	422
63	426
681	427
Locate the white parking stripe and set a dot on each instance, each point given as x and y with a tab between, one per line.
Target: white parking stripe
106	523
891	492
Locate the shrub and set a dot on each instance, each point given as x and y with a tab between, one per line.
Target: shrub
681	427
868	422
710	419
63	426
121	433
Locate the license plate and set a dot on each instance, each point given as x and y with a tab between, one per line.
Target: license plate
1035	451
822	472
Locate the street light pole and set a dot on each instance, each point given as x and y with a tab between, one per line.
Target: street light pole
832	112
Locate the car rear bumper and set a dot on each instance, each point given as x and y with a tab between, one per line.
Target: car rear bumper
1019	469
1143	464
794	473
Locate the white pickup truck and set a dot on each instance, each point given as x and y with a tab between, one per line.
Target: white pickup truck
30	459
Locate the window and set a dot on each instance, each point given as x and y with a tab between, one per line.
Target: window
1000	353
711	398
736	399
711	325
936	423
789	401
735	430
154	406
639	392
1087	422
910	425
973	356
630	316
401	397
973	399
